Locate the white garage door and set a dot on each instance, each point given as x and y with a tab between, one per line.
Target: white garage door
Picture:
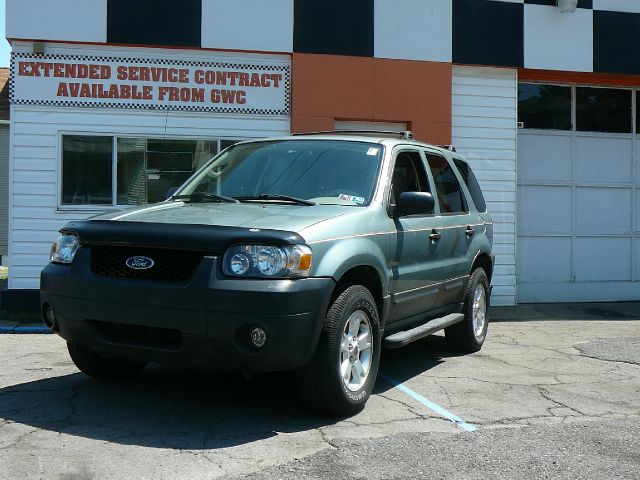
578	217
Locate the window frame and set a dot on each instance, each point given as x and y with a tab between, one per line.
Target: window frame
94	208
387	194
635	109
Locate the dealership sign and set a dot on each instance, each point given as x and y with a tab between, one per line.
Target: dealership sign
91	81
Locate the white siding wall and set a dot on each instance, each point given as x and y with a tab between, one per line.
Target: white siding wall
4	186
35	159
484	131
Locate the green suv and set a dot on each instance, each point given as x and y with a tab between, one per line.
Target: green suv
305	254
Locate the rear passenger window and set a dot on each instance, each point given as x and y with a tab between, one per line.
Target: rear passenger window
472	184
448	189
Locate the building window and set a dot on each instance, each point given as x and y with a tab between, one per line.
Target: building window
86	170
603	110
545	107
136	172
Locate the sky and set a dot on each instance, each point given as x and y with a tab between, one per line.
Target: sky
5	49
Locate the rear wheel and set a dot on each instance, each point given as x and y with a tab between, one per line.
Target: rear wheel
97	366
470	334
342	373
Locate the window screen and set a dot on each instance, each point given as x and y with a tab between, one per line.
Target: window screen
472	184
447	187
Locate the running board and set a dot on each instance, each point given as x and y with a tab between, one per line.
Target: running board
400	339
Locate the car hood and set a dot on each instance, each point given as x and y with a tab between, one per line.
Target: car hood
293	218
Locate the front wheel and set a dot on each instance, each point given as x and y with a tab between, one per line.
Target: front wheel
341	375
470	334
97	366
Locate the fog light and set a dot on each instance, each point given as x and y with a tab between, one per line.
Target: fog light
258	337
49	318
50	315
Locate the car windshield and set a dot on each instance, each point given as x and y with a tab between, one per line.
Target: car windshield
337	172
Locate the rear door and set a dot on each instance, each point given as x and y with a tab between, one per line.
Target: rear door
457	226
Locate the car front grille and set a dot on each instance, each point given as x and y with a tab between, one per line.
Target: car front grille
168	265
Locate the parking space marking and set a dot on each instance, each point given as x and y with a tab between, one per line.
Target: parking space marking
443	412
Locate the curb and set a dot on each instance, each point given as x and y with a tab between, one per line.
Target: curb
19	329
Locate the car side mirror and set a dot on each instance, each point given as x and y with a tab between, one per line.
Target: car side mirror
170	192
414	203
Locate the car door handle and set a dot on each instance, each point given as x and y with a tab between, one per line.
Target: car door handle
470	231
435	236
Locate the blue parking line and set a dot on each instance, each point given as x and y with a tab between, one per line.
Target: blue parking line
443	412
42	329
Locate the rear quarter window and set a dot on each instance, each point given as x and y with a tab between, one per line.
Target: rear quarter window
472	184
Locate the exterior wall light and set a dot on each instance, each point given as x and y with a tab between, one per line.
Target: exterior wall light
567	6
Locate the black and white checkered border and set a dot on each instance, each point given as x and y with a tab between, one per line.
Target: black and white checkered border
286	70
164	107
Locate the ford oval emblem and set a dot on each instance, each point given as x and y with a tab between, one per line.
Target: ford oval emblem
139	263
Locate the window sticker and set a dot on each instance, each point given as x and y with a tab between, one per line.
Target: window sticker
351	198
373	151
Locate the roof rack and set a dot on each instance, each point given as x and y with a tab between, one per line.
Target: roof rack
405	135
451	148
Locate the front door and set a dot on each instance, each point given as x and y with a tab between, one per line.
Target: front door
417	249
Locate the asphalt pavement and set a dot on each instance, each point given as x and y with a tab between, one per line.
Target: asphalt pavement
551	395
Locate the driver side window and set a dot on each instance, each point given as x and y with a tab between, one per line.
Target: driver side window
408	175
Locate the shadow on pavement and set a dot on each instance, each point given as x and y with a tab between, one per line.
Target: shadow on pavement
181	409
567	311
162	408
413	360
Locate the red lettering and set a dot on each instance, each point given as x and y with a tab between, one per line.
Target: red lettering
121	72
144	74
94	72
113	92
23	71
62	90
276	77
85	90
125	91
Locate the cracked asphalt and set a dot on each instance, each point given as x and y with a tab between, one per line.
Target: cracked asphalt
550	399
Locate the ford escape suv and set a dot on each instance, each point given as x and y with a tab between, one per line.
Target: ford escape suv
306	254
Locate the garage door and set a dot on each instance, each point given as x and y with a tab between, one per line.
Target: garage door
578	217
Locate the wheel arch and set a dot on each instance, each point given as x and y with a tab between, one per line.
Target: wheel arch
367	276
483	260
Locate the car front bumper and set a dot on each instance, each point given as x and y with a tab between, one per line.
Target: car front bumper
204	322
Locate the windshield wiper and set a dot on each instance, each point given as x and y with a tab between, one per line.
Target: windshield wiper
284	198
197	197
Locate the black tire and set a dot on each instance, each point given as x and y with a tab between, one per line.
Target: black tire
320	384
96	366
462	336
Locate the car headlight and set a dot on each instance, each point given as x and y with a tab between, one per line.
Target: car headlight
267	261
64	249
